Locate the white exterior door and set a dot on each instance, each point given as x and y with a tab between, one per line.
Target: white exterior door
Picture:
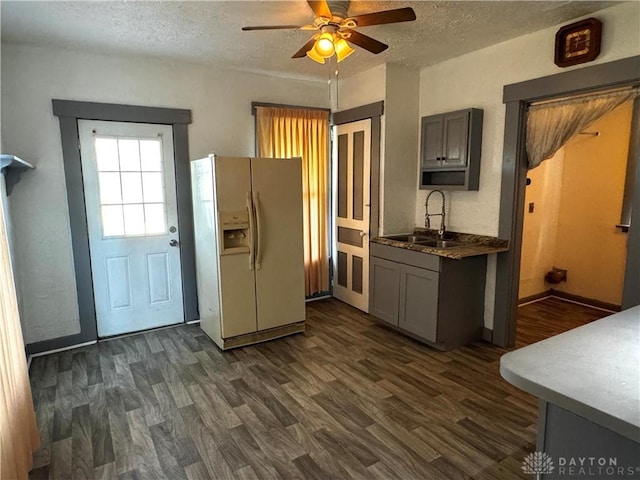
129	185
352	192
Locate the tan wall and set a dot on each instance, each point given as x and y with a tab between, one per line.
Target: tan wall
588	244
578	200
540	227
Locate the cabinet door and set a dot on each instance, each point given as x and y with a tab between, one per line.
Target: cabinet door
431	141
384	284
456	126
419	301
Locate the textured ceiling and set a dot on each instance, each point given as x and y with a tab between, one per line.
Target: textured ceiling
210	32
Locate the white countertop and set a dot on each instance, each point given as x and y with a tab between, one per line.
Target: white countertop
593	371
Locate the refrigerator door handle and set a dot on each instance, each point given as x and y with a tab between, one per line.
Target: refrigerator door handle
251	231
256	204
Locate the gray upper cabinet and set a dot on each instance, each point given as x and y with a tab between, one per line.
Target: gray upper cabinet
451	144
454	152
432	149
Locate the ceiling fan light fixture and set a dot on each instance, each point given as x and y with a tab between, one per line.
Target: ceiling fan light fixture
343	50
324	46
313	55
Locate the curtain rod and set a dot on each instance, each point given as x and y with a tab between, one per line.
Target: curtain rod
281	105
597	93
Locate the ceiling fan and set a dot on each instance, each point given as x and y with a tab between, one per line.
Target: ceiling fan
336	30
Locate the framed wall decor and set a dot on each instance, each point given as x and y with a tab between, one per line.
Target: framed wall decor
578	42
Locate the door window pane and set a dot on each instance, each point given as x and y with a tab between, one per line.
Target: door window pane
107	154
155	218
133	219
131	184
150	155
110	192
153	187
129	155
131	187
112	221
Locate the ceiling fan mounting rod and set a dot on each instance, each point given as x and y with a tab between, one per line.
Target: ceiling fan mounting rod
339	8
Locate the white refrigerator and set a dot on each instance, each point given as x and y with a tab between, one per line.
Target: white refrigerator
249	248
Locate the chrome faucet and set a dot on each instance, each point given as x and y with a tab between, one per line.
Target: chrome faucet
427	215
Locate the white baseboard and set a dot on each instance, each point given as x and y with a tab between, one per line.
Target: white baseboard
307	300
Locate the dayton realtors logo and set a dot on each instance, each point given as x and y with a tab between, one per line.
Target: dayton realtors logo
539	463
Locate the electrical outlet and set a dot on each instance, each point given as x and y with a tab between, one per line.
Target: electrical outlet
531	207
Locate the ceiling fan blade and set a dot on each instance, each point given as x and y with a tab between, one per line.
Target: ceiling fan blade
303	51
368	43
388	16
320	8
272	27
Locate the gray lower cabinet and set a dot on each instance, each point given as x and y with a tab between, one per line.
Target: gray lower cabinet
437	300
384	289
418	307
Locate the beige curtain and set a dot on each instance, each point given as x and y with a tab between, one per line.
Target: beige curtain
18	430
552	124
290	132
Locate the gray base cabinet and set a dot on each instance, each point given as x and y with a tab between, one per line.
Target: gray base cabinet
437	300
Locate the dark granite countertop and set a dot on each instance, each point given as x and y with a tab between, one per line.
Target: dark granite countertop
471	245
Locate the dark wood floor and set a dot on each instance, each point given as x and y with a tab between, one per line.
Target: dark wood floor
346	399
550	317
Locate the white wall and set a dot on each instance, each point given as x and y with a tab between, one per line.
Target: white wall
540	227
398	87
398	165
361	89
222	122
477	80
588	244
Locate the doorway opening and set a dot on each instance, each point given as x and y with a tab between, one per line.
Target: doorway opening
616	74
573	246
69	114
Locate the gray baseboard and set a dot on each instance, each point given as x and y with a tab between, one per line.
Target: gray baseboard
534	297
570	296
487	334
587	301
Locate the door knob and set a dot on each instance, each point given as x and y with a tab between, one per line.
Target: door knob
173	243
363	234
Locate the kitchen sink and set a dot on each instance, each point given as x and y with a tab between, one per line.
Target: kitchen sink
439	243
423	240
408	238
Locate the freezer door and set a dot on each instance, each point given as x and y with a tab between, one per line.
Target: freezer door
277	194
205	234
237	282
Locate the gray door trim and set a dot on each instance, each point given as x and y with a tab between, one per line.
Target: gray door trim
514	171
68	113
631	289
371	111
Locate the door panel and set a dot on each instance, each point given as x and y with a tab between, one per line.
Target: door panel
277	191
119	282
385	289
455	140
158	278
432	141
352	199
419	301
129	184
